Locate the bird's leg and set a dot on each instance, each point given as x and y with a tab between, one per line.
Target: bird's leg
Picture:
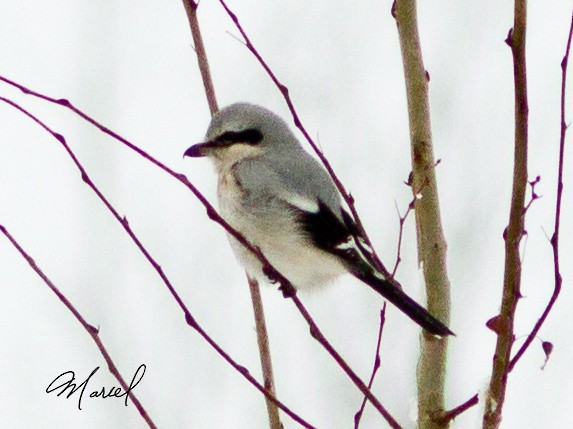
288	290
271	274
274	277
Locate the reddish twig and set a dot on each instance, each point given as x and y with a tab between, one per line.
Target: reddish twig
376	366
317	334
402	221
454	412
555	237
411	206
124	223
91	330
534	195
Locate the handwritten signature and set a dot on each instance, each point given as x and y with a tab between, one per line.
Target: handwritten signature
67	383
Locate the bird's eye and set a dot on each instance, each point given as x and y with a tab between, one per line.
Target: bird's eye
249	136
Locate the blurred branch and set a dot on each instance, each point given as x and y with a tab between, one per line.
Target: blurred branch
191	10
504	323
264	352
124	223
431	242
559	194
375	367
91	330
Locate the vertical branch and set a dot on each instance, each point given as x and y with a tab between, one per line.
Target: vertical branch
430	237
262	335
559	195
191	10
514	231
375	367
264	352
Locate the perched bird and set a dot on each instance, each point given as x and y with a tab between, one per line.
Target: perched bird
285	203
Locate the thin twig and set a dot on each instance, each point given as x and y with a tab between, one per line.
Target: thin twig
375	367
124	223
504	323
558	280
402	219
448	416
534	195
318	336
90	329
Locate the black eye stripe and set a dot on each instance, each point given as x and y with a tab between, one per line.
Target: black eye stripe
250	136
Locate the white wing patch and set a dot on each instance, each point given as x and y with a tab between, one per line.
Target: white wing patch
351	245
302	203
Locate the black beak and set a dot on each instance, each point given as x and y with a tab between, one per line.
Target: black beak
199	150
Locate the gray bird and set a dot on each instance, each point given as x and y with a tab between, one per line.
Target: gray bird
285	203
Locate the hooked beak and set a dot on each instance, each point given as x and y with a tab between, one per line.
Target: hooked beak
200	149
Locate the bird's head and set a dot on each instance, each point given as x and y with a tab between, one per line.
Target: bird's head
241	131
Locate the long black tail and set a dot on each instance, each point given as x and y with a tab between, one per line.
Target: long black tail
406	304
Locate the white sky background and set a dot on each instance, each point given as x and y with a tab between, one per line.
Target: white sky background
131	66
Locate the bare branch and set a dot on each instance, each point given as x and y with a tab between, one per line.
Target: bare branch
90	329
402	221
448	416
375	367
430	236
264	352
534	195
504	323
317	335
558	280
411	206
191	10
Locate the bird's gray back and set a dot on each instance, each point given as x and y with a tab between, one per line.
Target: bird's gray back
295	174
